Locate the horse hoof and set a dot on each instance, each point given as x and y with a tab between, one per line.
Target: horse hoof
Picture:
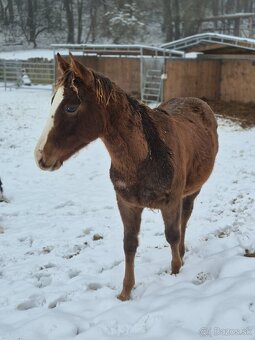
123	297
175	270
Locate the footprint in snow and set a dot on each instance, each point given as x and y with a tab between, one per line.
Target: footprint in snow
94	286
42	280
201	278
54	303
32	302
46	250
48	266
73	273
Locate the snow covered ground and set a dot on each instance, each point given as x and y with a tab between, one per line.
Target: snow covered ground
57	283
26	54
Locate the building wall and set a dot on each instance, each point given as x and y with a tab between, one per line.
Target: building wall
125	72
192	78
228	80
238	80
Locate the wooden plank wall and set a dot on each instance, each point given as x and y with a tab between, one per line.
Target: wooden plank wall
238	80
192	78
125	72
228	80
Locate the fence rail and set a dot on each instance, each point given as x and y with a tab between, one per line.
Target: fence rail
16	73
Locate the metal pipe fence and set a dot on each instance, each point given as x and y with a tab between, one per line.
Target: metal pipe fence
17	73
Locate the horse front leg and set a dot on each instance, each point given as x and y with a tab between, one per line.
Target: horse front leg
172	218
131	218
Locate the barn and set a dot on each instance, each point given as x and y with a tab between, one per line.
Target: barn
137	69
213	66
224	68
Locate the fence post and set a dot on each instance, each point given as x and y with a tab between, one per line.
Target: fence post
4	74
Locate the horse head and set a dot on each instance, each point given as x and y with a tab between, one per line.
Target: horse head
75	117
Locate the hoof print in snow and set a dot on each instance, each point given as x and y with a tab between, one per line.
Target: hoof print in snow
46	250
47	266
75	251
73	273
1	230
57	301
32	302
42	280
249	253
97	237
94	286
70	256
201	278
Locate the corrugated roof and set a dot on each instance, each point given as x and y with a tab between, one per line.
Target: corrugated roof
213	43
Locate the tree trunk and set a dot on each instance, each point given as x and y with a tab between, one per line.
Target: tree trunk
167	20
68	5
31	10
177	20
11	12
79	12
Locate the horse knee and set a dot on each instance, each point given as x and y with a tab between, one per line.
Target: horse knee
173	236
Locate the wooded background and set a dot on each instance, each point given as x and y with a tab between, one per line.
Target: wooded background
41	22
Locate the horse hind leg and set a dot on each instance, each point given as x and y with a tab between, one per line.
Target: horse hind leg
187	207
172	219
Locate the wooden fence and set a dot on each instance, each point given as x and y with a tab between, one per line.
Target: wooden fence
228	80
218	79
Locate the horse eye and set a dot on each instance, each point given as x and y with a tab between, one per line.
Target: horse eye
71	108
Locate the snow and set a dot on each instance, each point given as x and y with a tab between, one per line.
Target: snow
57	283
27	54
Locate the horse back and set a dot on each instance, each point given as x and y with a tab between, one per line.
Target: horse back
193	139
190	109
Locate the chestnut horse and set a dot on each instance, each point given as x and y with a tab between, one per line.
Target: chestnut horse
160	158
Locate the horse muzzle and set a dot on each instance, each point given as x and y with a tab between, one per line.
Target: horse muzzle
47	163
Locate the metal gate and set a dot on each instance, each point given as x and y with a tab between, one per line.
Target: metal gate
17	73
151	87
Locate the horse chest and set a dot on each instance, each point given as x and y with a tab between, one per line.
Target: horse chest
145	192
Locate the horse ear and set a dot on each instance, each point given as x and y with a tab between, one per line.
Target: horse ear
63	65
80	70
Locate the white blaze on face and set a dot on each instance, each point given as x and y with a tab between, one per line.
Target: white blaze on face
59	95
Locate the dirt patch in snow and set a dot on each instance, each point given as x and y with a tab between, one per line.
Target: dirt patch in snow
244	114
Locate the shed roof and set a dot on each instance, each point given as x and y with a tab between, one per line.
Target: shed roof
121	50
213	43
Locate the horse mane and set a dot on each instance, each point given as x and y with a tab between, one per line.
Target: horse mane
104	88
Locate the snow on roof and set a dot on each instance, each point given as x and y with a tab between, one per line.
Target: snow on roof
119	49
188	43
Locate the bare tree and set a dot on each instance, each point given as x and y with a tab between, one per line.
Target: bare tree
31	19
93	7
79	5
167	26
68	6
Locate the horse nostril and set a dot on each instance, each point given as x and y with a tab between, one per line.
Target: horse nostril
41	163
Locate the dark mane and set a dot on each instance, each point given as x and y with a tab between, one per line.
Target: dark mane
160	157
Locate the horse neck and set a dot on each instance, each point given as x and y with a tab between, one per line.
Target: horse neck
124	137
